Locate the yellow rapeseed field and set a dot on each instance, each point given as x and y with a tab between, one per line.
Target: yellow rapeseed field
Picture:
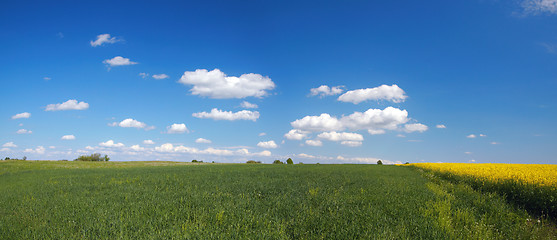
537	174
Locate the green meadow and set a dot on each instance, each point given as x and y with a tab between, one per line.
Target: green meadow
169	200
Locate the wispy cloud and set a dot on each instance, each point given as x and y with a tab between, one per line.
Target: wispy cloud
104	38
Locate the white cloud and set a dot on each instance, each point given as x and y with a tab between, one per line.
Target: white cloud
132	123
111	143
170	148
149	142
384	92
471	136
440	126
268	144
325	90
52	147
177	128
375	119
351	143
21	115
540	6
296	134
160	76
246	104
321	123
89	148
262	134
9	145
71	104
143	75
24	131
376	131
342	136
483	135
467	152
37	150
215	84
68	137
315	143
118	61
415	127
5	150
217	114
104	38
202	140
494	143
303	155
137	148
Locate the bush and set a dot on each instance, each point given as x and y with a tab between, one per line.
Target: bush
289	161
196	161
277	162
253	161
379	162
95	157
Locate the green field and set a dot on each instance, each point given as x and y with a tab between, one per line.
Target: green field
163	200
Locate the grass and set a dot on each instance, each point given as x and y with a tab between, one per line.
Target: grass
146	200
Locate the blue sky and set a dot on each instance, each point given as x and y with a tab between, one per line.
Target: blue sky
328	82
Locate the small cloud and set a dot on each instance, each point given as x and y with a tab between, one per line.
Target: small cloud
68	137
111	144
494	143
315	143
118	61
468	153
137	148
536	7
415	127
148	142
52	147
262	134
384	92
400	136
89	148
325	90
412	140
102	39
217	114
47	78
269	144
37	150
483	135
143	75
131	123
24	131
160	76
296	134
246	104
21	115
472	161
440	126
177	128
71	104
471	136
9	145
351	143
202	140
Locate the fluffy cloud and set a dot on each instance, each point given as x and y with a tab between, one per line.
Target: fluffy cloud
540	6
384	92
246	104
143	75
351	143
9	145
37	150
160	76
149	142
170	148
71	104
21	115
325	90
471	136
376	131
202	140
483	135
440	126
137	148
342	136
303	155
177	128
68	137
216	84
262	134
118	61
131	123
111	144
375	119
321	123
217	114
315	143
103	38
415	127
24	131
296	134
269	144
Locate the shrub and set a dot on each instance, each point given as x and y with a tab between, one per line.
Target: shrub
196	161
95	157
379	162
277	162
289	161
253	161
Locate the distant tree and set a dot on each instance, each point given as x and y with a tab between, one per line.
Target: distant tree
300	163
379	162
406	163
277	162
95	157
253	161
7	158
106	158
24	158
289	161
196	161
